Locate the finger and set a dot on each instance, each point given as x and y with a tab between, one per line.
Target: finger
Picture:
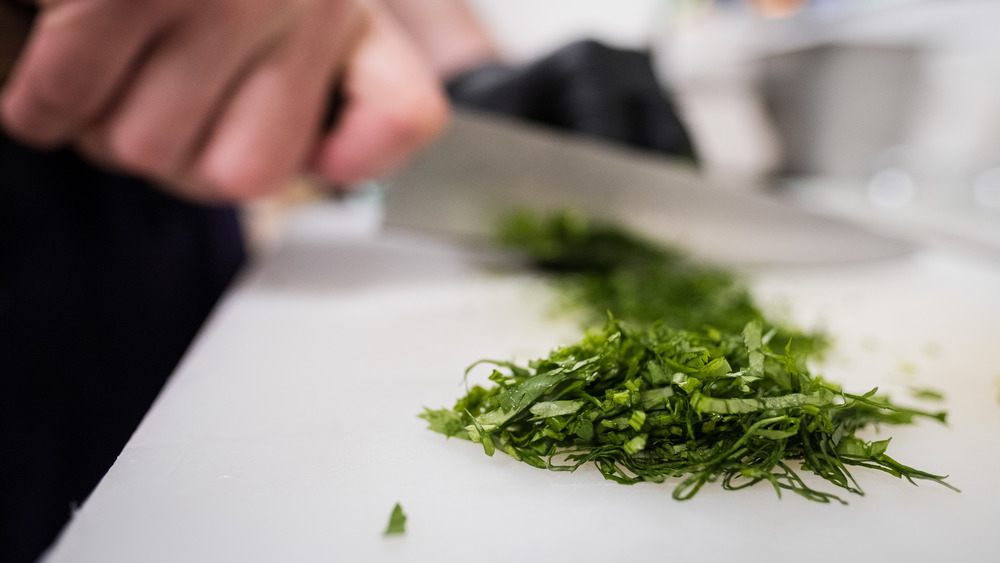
274	119
159	121
75	60
394	105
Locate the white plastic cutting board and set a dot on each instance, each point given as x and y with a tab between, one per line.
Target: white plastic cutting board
290	430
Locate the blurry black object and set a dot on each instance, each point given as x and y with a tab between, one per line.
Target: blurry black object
104	281
585	87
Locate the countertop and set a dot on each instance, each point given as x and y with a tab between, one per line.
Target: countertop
290	430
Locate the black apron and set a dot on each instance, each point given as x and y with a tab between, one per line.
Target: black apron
104	281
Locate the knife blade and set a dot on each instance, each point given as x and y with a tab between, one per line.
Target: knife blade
485	166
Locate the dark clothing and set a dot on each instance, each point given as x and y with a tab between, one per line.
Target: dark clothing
104	281
585	87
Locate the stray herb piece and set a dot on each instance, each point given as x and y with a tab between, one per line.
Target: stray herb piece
927	394
648	403
397	521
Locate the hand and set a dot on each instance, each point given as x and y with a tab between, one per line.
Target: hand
221	100
394	104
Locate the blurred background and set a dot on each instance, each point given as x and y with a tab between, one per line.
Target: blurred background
883	111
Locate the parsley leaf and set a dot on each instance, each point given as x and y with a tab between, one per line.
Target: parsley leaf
397	521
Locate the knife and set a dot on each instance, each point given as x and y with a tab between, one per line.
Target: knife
486	166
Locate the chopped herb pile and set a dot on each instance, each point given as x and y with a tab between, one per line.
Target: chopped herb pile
674	392
397	521
650	403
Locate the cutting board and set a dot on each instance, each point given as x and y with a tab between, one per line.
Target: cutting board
290	430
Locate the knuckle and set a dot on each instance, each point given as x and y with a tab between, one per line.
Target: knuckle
395	133
142	152
40	113
419	117
68	93
248	182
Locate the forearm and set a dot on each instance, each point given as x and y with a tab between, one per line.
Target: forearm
448	33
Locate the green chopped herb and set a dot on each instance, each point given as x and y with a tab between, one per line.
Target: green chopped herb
603	268
680	383
601	401
397	521
927	394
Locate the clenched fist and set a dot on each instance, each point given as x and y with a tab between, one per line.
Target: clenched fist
224	100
